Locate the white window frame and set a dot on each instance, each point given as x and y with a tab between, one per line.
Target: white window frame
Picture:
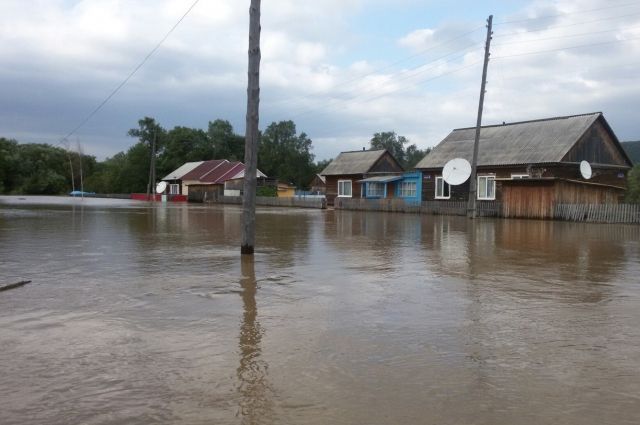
441	179
375	189
515	176
341	184
408	189
174	189
489	178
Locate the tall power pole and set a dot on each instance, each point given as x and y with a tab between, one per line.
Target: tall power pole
151	186
471	206
251	134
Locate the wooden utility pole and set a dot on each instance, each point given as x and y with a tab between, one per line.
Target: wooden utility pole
251	134
473	190
151	190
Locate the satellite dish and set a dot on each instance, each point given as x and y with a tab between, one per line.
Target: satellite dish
456	171
161	187
585	170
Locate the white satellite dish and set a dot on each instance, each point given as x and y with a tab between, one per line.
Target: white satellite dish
585	170
456	171
161	187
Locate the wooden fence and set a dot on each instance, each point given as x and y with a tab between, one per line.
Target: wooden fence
268	201
483	208
604	213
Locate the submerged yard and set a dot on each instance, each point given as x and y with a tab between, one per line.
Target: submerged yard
141	313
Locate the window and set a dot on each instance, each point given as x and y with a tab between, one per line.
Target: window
443	191
344	188
174	189
519	176
407	190
487	187
375	189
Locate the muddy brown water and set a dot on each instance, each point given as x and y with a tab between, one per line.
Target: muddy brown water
142	313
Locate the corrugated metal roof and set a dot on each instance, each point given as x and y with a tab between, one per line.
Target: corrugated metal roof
380	179
203	169
355	162
222	173
527	142
179	172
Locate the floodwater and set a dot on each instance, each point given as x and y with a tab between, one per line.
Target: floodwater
141	313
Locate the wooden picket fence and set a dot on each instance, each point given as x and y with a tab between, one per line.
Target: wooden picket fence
604	213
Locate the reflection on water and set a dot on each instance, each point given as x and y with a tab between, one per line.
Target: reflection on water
143	313
256	403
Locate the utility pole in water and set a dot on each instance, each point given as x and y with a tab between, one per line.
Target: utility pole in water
151	189
473	190
251	133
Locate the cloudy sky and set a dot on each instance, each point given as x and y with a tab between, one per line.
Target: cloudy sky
340	69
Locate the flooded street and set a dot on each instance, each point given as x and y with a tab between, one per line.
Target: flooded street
142	313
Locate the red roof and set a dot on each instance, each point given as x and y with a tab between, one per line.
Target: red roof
222	173
204	168
216	171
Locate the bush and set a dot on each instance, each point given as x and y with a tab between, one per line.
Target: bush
269	191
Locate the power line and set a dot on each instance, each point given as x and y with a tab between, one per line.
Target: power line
131	74
566	14
402	90
422	70
560	37
565	26
565	48
384	68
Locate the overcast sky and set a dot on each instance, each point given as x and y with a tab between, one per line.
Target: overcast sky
340	69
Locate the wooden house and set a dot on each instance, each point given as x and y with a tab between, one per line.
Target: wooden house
344	176
531	166
318	185
174	179
207	178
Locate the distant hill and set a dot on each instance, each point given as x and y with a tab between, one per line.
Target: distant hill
633	150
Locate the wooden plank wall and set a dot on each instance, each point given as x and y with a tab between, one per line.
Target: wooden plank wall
528	201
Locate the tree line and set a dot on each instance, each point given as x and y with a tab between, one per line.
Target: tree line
284	153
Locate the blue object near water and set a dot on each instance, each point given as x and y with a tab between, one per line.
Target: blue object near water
80	193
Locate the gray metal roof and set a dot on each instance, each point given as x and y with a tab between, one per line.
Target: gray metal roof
355	162
182	170
380	179
527	142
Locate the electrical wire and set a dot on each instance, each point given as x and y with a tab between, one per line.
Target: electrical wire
378	70
565	48
558	37
564	26
565	14
131	74
420	70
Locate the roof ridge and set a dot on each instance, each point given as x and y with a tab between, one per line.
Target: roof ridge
531	121
368	150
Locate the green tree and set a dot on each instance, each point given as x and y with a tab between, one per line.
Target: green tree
286	155
183	144
9	160
393	143
633	185
321	165
413	155
225	142
407	157
42	170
